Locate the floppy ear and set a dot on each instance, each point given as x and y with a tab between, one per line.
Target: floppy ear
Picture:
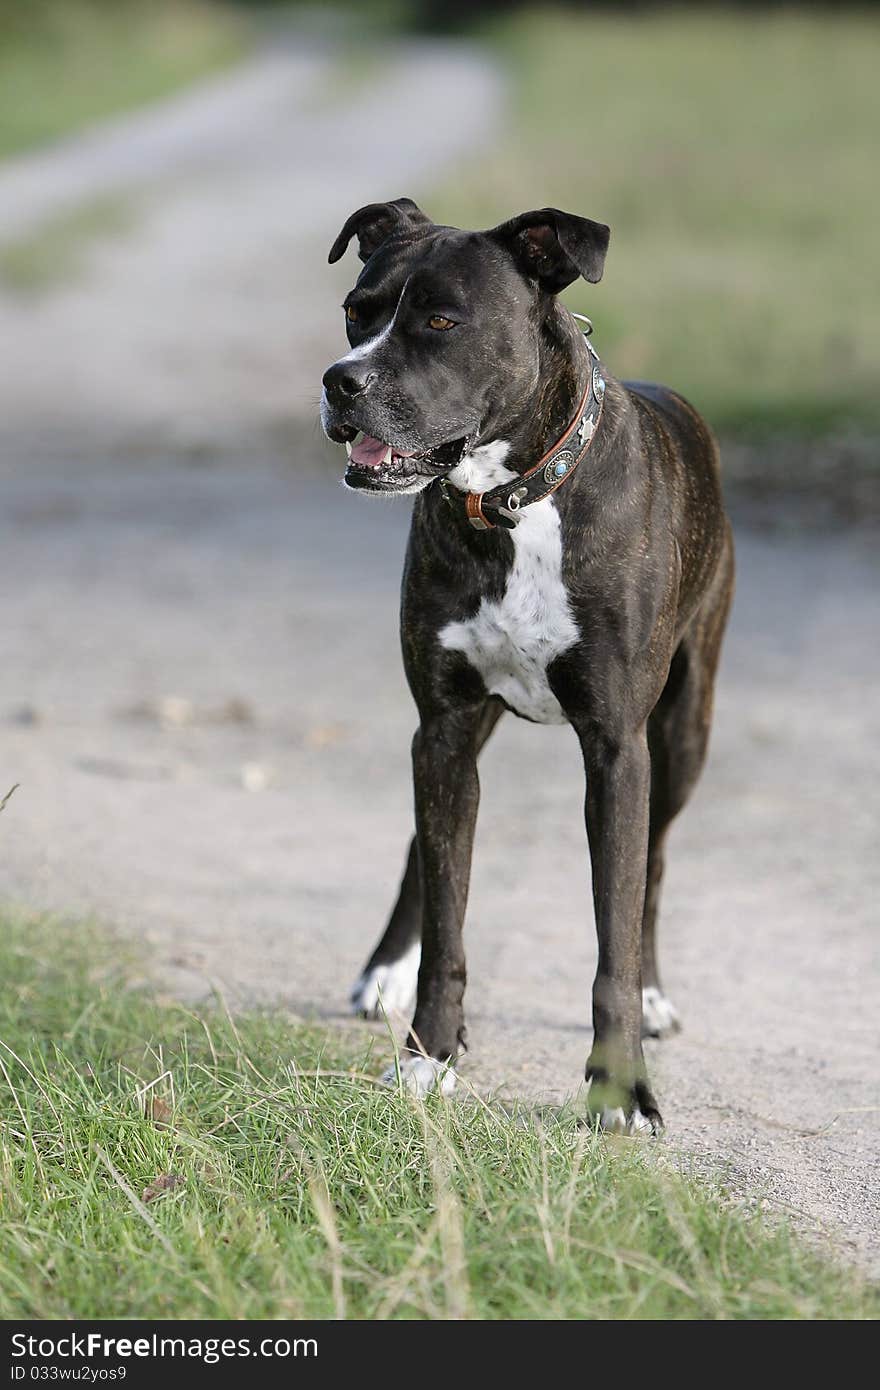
374	224
555	247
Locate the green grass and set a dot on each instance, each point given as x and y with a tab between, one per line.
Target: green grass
301	1189
733	156
66	63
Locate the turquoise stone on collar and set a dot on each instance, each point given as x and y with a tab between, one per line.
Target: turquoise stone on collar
558	466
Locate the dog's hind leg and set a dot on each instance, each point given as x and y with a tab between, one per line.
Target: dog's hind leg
678	736
393	968
388	980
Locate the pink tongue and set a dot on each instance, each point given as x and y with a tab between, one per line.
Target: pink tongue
368	452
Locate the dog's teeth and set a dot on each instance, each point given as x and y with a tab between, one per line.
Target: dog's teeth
387	456
348	448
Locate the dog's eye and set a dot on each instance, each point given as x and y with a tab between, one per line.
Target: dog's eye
438	322
351	313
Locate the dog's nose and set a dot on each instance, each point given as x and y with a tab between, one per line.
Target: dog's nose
345	379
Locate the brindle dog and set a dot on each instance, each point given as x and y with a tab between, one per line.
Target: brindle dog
596	596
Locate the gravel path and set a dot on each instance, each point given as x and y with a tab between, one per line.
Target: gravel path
202	699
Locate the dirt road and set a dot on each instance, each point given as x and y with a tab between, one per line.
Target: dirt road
201	695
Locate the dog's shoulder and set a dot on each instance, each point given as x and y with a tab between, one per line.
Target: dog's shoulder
675	415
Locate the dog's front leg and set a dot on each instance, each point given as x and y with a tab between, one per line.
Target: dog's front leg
618	790
447	793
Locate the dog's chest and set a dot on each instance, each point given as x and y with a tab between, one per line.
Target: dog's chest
512	640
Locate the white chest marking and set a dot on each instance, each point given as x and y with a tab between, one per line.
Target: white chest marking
483	468
512	641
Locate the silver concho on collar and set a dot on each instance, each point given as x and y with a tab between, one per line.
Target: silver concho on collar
586	429
557	467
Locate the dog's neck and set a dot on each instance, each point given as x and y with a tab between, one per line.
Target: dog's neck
527	428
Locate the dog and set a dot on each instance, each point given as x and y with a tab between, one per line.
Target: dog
569	560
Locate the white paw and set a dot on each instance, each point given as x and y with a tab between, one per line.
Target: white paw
391	986
421	1075
614	1121
659	1015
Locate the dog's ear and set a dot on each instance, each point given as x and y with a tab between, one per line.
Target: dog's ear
374	224
555	247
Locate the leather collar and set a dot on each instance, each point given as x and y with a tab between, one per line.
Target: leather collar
503	505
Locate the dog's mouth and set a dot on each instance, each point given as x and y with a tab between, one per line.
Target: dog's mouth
377	465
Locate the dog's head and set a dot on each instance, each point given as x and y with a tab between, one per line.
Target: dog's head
444	328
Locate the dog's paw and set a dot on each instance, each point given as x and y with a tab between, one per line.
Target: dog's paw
390	986
420	1075
659	1015
614	1120
622	1106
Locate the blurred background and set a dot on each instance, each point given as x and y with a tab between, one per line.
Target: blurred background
200	688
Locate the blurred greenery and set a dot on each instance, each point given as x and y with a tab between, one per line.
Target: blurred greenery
731	150
733	155
64	63
57	250
460	15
